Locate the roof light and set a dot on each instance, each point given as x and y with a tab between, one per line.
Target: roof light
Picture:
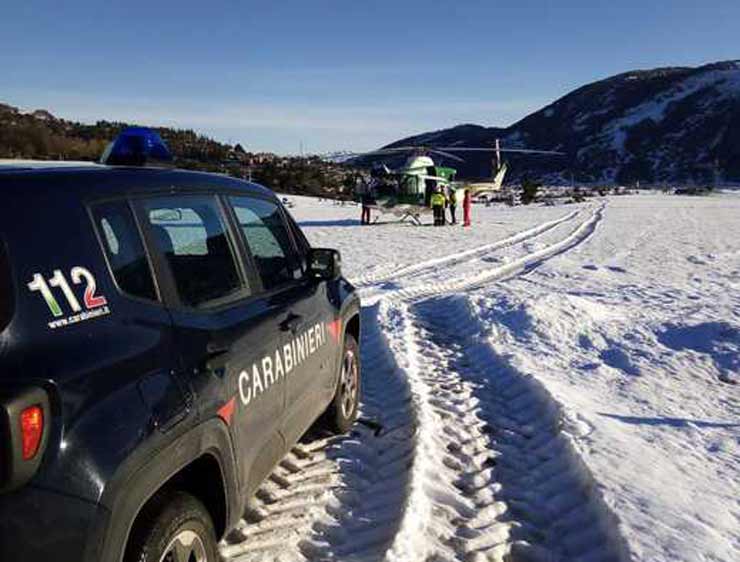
32	429
136	146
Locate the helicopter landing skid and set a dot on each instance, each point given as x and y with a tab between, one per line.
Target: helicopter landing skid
412	218
407	216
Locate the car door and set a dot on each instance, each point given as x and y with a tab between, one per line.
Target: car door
223	329
301	304
326	303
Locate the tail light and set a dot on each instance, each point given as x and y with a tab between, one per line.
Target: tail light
25	419
32	430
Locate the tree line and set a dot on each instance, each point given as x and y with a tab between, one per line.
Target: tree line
39	135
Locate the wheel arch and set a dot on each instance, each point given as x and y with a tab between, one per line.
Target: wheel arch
200	463
353	326
203	478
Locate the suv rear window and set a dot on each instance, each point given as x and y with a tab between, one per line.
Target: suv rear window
124	249
6	288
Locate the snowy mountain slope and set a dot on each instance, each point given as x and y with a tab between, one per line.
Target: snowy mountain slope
668	124
553	384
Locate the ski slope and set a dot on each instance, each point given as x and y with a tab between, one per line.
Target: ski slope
554	384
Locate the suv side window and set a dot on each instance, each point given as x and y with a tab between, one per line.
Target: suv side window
124	249
268	240
190	232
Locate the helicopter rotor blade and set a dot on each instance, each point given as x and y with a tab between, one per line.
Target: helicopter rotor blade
445	154
466	149
533	151
493	149
383	151
421	149
447	150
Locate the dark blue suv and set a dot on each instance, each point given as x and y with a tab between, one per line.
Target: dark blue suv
165	337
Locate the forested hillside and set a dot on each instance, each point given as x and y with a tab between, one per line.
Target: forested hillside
41	135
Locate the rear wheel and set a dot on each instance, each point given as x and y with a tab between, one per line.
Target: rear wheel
175	527
342	412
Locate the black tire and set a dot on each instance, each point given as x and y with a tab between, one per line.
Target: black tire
170	519
339	417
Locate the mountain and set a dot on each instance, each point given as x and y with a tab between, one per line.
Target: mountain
679	125
40	135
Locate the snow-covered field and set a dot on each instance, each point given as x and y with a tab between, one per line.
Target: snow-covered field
556	383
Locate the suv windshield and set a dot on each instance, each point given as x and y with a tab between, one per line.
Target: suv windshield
6	288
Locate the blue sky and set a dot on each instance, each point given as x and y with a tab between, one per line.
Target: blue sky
337	74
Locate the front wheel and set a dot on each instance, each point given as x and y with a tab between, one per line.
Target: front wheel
175	528
342	412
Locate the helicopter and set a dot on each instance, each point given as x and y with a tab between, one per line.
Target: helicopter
405	192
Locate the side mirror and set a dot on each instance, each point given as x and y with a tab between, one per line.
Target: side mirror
324	263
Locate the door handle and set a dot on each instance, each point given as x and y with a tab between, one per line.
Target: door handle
216	356
292	323
214	348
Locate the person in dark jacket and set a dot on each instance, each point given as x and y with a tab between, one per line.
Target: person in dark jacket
453	205
365	200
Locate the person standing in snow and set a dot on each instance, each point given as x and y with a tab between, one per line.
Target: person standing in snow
453	206
437	202
467	201
366	199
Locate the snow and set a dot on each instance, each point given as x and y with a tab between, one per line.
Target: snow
555	383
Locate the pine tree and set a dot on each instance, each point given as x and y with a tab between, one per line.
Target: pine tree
529	191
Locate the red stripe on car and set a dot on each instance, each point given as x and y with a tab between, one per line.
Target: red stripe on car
335	329
226	411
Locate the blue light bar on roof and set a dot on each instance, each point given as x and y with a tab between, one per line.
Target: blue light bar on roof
136	146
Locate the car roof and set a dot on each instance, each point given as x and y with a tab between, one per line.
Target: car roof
12	164
91	181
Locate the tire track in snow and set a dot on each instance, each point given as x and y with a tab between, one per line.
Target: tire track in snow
284	506
493	477
338	498
417	268
525	263
364	520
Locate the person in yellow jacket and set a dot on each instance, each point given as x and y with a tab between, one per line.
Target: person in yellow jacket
438	202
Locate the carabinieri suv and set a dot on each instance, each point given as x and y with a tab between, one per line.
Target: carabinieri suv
165	338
